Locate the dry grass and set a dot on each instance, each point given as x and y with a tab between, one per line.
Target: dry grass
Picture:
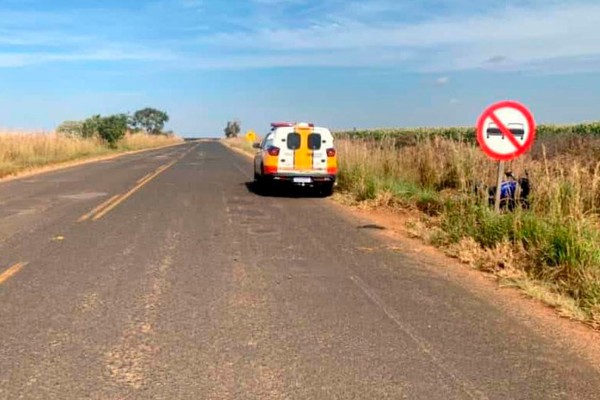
240	143
566	185
27	151
555	243
141	141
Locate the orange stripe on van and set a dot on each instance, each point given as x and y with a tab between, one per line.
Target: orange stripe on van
303	160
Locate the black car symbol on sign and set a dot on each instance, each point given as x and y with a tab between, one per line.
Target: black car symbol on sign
518	130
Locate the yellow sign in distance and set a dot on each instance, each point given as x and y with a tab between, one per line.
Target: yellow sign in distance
251	136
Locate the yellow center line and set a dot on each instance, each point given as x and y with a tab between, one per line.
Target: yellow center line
6	275
162	168
104	208
144	178
98	208
115	198
137	187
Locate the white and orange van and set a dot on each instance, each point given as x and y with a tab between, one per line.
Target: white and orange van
299	154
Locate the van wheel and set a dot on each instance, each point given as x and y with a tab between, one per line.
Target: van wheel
326	190
260	185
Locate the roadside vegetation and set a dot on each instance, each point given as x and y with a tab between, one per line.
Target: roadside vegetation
232	130
551	250
232	138
241	144
75	140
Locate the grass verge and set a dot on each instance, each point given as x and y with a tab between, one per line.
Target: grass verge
21	152
240	144
551	251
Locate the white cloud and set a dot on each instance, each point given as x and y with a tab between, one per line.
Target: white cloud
538	35
239	61
442	80
193	4
510	37
277	2
20	59
18	38
29	38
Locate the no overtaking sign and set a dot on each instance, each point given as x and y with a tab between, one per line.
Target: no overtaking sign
506	130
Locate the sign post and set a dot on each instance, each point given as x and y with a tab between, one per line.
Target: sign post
505	131
499	186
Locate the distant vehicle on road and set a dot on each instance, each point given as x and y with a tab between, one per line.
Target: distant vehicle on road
518	130
297	154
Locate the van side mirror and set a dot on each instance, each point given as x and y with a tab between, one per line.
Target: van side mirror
256	145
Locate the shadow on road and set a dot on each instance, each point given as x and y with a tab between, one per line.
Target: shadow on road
373	226
285	191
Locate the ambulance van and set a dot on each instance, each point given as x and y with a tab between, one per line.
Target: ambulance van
297	154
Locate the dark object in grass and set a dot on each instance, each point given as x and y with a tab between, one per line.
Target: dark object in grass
514	192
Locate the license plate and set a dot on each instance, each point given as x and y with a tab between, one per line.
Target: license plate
302	180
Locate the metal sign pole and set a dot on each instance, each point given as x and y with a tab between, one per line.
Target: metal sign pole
499	185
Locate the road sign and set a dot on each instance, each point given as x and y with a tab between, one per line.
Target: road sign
506	130
251	136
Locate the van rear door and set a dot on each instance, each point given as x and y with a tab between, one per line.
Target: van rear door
316	145
304	149
302	153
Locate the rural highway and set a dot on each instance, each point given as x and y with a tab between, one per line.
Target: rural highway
161	275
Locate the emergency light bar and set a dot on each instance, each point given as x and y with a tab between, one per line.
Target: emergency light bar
282	124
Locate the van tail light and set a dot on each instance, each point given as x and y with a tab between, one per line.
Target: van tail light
273	151
331	152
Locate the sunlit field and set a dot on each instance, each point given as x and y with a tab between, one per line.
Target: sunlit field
26	151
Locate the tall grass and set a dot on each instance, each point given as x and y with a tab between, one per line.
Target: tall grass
591	129
141	141
241	144
556	241
25	151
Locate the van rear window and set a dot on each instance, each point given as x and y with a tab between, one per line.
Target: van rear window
293	141
314	141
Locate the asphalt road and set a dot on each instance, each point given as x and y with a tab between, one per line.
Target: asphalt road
188	285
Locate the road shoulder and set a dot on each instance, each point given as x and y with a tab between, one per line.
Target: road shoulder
389	225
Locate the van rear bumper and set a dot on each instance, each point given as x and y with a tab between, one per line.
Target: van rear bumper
315	179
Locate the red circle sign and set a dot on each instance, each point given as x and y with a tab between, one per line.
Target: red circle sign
506	130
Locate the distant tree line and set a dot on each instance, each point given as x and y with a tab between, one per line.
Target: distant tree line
113	128
232	129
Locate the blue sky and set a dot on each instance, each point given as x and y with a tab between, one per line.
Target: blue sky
339	63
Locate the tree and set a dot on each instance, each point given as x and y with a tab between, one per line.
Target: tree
112	129
71	129
232	129
150	119
90	126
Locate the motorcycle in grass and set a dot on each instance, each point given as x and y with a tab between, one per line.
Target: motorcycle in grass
514	192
